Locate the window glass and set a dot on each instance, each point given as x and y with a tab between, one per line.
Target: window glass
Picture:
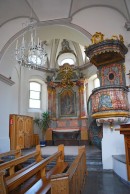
35	95
35	86
69	61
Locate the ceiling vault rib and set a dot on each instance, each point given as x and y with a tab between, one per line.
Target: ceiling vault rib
108	6
32	10
127	10
70	8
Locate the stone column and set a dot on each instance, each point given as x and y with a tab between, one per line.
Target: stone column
54	103
81	99
50	96
52	99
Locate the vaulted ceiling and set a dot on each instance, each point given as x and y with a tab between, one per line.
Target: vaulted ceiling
45	10
57	12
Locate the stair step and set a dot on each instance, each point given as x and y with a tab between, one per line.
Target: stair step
94	163
97	169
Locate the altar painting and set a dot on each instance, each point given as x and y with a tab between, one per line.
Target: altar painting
67	103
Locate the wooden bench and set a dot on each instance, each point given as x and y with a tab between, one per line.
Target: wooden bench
14	153
44	184
11	166
72	181
37	170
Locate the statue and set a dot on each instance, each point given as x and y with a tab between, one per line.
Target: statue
65	45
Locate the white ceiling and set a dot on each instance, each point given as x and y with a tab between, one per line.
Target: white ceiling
44	10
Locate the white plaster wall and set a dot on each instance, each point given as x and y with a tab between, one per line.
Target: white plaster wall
120	169
14	99
8	105
5	102
112	144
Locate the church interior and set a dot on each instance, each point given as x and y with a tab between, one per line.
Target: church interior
65	96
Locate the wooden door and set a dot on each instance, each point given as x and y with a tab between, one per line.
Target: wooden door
28	129
20	131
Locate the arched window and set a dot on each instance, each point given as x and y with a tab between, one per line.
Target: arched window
35	95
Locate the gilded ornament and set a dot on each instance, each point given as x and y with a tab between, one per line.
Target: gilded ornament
97	37
121	38
124	68
115	37
110	114
66	72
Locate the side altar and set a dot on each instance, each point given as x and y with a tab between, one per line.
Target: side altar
66	106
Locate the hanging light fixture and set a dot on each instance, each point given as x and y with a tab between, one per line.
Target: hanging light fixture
31	54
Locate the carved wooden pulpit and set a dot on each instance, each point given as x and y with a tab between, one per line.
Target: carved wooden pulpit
125	129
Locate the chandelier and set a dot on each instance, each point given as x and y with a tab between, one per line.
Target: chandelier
31	54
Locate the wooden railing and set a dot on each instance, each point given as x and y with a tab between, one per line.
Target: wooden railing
10	165
72	181
37	168
16	153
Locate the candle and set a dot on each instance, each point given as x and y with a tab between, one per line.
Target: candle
23	43
32	39
16	44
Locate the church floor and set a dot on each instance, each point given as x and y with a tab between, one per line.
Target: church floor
104	183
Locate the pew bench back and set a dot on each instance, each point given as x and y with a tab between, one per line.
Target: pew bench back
72	181
37	170
10	165
12	153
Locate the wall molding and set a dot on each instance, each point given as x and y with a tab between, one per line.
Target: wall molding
6	80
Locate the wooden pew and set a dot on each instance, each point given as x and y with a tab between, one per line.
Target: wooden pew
72	181
16	153
11	166
37	170
44	184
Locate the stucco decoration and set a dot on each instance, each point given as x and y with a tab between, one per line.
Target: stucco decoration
112	74
110	99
